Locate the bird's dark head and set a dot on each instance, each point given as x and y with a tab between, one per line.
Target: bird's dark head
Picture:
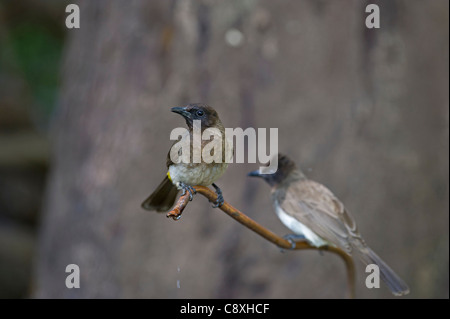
285	167
201	112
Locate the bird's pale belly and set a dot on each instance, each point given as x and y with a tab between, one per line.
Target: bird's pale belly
196	174
298	228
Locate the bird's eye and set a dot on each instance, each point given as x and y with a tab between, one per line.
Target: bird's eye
200	113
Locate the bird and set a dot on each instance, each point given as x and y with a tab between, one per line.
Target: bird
184	175
311	211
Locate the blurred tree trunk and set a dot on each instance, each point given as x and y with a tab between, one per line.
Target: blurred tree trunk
356	105
114	68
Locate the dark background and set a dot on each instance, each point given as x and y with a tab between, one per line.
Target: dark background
85	124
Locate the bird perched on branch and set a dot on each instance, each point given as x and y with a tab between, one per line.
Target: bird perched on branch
183	175
311	211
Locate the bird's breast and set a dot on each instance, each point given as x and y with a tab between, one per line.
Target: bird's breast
196	174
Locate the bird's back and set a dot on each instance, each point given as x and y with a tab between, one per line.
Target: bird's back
316	207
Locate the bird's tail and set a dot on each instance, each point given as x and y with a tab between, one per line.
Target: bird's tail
163	198
397	286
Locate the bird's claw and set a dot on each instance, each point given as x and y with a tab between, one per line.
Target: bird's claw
188	188
219	201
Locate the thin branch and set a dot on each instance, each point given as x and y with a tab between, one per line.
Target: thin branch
264	232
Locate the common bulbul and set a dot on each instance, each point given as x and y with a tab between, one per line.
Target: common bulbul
183	176
311	210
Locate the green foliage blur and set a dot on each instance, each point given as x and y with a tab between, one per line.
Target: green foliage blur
38	53
31	43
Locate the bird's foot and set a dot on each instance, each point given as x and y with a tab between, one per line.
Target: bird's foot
188	188
291	239
219	201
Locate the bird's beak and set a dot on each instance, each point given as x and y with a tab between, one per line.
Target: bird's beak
254	173
182	111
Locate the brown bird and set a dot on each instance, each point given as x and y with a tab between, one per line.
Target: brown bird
312	211
181	175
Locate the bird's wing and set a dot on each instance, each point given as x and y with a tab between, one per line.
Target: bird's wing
169	159
316	207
